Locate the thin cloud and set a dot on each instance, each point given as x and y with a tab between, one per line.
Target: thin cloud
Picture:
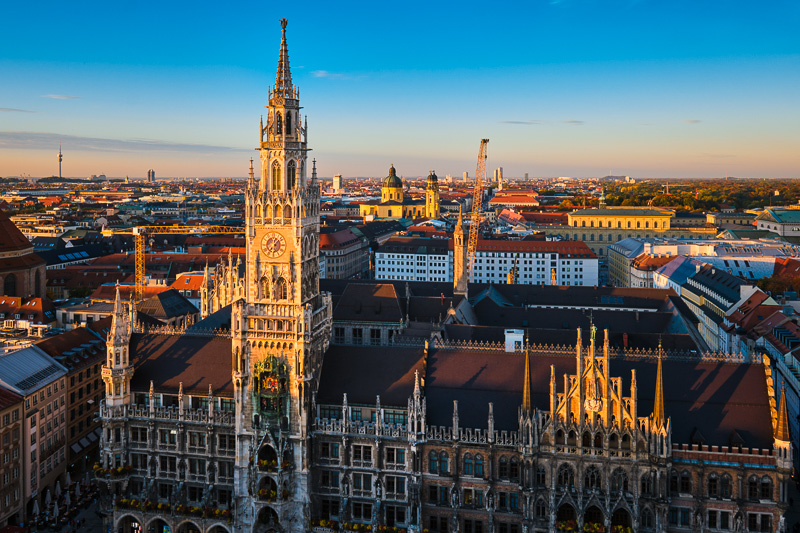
526	122
24	140
12	110
693	121
332	75
59	96
573	122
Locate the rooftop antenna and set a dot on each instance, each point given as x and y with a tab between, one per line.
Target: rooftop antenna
60	157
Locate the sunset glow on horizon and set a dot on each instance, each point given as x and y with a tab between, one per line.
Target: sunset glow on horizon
561	87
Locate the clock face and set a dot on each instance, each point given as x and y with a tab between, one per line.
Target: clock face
273	244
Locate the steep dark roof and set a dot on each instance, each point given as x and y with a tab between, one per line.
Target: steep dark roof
166	305
375	302
367	372
718	397
168	360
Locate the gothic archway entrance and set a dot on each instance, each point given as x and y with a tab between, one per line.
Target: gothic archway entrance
594	515
267	521
621	517
566	512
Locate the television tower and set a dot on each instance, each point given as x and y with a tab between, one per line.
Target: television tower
60	157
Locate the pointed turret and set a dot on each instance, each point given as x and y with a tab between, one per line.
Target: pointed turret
782	425
526	385
658	408
283	80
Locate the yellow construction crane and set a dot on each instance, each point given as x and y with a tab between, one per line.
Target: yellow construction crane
140	234
477	205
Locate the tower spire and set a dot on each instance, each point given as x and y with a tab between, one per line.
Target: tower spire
283	80
526	386
782	425
658	408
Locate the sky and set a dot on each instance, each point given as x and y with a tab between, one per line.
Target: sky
645	88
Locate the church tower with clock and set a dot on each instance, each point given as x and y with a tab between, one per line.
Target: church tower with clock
282	327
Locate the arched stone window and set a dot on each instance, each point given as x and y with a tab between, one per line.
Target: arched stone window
291	174
566	476
647	485
766	488
289	122
647	519
443	463
713	486
263	288
725	486
592	478
513	472
686	482
278	124
540	510
468	464
10	285
276	176
752	488
619	481
478	466
502	467
541	476
433	462
281	289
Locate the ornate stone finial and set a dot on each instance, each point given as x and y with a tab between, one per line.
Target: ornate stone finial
284	22
152	389
658	408
210	391
526	386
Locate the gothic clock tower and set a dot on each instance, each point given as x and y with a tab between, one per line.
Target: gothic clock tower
282	327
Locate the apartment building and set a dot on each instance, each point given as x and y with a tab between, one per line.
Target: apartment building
41	381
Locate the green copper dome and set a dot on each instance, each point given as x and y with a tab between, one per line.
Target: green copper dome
392	180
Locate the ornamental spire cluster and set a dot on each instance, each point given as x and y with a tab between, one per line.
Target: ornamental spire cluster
283	81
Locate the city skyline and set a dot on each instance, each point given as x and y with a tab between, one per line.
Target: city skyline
565	87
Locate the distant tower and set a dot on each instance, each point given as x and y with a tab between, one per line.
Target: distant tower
432	196
602	204
466	177
151	176
498	177
60	158
526	176
337	183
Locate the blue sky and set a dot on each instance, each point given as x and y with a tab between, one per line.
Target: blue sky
569	87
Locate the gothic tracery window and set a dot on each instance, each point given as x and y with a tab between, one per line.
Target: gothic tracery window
592	479
281	290
619	481
566	476
291	174
276	176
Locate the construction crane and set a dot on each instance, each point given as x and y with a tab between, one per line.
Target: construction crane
477	205
140	234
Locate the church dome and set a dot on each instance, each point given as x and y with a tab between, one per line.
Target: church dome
392	180
432	178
